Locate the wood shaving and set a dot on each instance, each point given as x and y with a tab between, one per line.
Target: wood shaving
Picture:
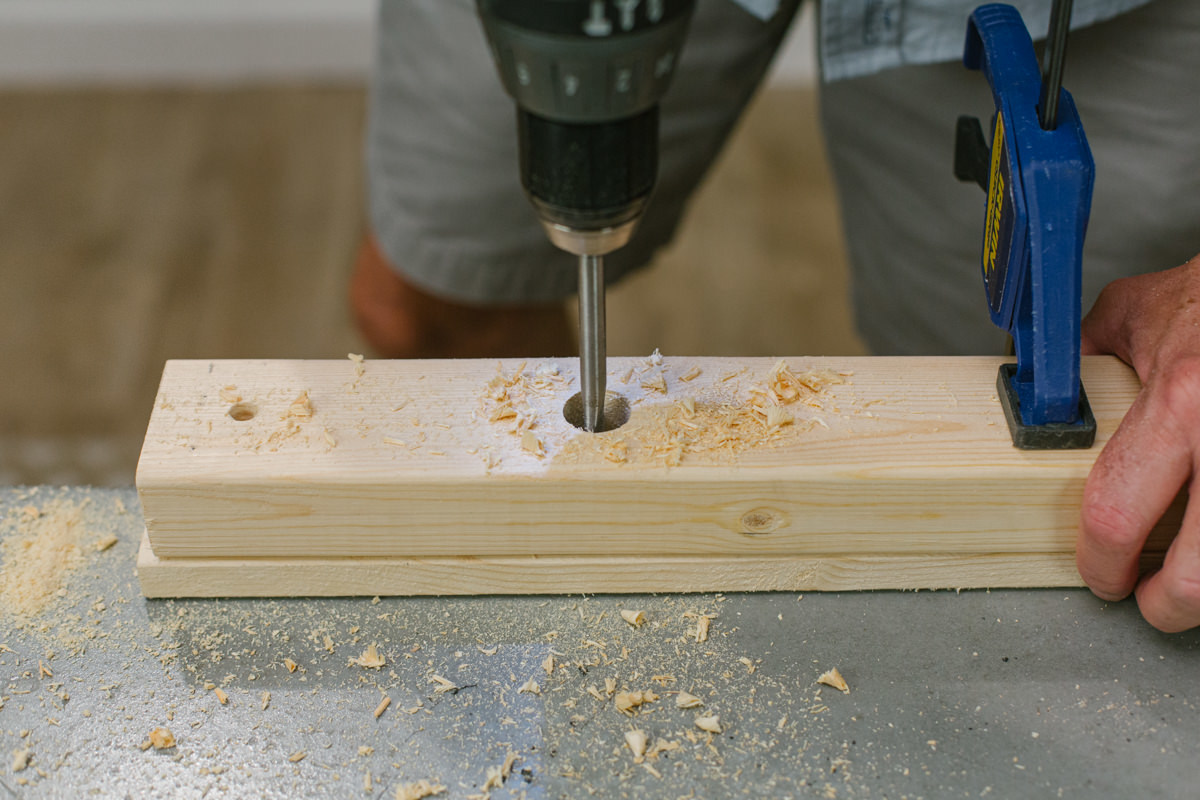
44	671
657	383
230	394
21	759
618	453
530	687
548	664
105	543
265	699
662	746
687	700
443	685
834	678
702	624
370	658
162	739
748	664
291	665
654	359
382	707
222	698
419	790
367	787
691	374
301	407
359	366
530	443
635	618
297	756
637	744
626	702
496	776
718	424
710	723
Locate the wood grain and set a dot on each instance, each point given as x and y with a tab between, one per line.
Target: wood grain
455	575
910	458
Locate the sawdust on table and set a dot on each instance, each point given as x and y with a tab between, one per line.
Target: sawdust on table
42	543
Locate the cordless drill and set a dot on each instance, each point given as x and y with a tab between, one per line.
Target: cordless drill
587	77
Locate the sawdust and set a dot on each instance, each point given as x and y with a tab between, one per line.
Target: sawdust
715	424
634	617
628	702
370	658
44	543
834	679
161	739
419	790
21	759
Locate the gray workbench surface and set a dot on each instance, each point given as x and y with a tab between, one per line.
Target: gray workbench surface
1003	693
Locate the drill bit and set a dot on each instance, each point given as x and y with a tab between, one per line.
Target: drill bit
592	366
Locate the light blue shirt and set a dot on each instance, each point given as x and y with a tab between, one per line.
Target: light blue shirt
859	37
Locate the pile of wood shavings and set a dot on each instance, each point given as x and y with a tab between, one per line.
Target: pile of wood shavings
715	425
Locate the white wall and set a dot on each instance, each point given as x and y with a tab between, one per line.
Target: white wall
140	42
165	42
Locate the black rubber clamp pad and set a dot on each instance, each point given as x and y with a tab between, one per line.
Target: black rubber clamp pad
1078	435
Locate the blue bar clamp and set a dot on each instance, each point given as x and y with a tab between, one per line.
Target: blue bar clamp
1038	174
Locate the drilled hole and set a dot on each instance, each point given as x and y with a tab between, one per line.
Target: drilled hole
242	412
616	411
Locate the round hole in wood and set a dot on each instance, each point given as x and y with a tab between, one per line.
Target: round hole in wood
243	412
616	411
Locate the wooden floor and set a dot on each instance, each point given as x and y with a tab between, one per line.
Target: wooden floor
144	225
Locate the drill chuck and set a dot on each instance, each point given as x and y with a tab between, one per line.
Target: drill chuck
589	182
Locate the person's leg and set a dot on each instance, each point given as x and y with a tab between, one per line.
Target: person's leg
456	263
400	320
914	233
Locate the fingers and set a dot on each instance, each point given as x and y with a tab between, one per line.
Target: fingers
1104	329
1135	479
1170	598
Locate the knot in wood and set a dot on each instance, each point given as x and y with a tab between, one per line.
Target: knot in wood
763	520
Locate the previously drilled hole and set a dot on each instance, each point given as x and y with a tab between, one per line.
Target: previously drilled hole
242	412
616	411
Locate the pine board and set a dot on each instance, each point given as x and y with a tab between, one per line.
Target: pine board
508	575
401	469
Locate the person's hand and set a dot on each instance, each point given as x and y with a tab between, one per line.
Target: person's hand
1151	322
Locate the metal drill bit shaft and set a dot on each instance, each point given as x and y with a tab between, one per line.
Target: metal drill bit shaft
592	365
1055	58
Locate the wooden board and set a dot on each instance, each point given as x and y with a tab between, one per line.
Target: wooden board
403	464
446	575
